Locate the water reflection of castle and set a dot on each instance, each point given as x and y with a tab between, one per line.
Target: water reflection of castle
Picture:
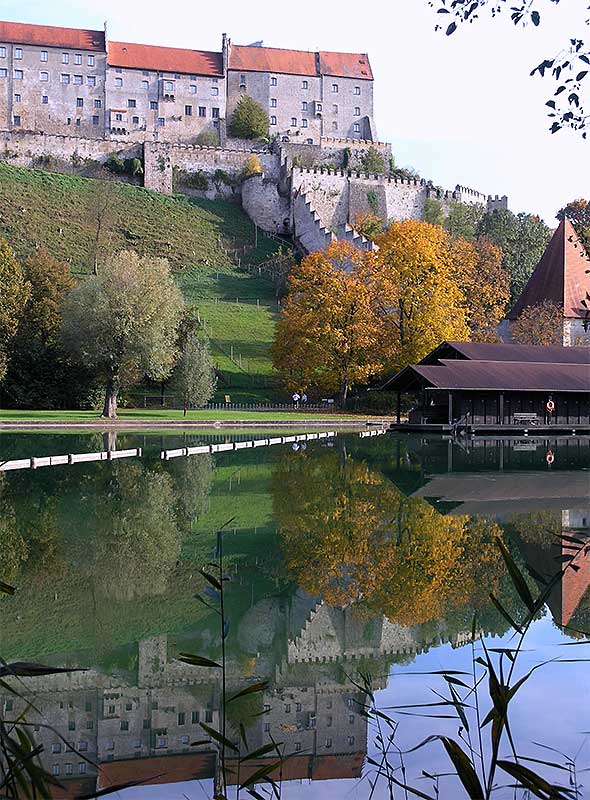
148	729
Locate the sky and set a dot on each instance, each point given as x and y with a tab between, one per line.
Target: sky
460	109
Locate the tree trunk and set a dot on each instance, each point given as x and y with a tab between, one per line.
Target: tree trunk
110	399
344	394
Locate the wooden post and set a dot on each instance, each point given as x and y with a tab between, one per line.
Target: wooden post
399	407
501	408
450	408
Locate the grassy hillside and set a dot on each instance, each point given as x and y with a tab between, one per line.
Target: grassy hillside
39	208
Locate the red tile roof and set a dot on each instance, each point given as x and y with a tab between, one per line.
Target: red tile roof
44	35
299	62
559	276
164	59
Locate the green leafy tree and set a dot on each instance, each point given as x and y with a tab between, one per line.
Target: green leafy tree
522	239
433	212
578	213
249	120
123	323
372	162
194	378
14	293
539	324
463	219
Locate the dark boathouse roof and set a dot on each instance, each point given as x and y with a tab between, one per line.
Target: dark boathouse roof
488	351
473	366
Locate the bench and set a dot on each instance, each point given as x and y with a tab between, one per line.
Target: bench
525	417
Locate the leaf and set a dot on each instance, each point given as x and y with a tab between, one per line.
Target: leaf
467	775
5	588
267	748
516	576
117	788
255	687
26	670
536	18
219	737
452	28
505	614
263	772
197	661
213	581
535	783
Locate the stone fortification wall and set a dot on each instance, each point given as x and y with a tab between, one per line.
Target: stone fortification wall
307	225
265	206
332	152
36	149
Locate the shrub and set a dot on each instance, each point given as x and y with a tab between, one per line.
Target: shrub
222	178
373	201
368	224
251	167
433	212
133	166
249	120
372	161
208	139
115	164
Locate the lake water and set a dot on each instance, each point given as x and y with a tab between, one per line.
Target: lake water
347	559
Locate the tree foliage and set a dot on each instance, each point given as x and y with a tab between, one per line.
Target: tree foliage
522	239
539	324
372	162
123	323
327	336
193	377
14	293
463	219
249	120
433	212
368	225
578	213
568	67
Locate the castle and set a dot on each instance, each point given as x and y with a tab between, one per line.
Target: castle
78	82
71	100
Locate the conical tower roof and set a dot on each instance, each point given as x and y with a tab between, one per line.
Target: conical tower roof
559	276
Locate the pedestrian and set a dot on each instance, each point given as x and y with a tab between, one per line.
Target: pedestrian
296	399
303	398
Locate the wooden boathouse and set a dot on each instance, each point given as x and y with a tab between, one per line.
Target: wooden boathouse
480	385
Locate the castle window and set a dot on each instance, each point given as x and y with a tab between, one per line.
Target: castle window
135	120
304	123
335	88
55	769
153	105
297	746
82	746
181	718
192	88
145	84
90	61
71	723
145	73
335	108
18	53
214	91
131	103
297	706
89	724
65	58
309	141
3	72
351	719
109	745
357	89
118	82
267	727
97	104
124	725
78	80
184	739
334	126
188	111
214	80
44	76
44	55
304	105
161	122
69	769
273	120
161	742
118	118
82	768
194	717
44	100
65	78
357	111
215	113
294	122
2	52
328	743
56	747
177	76
95	119
202	111
118	69
18	74
273	102
91	80
305	84
78	58
79	102
273	81
168	86
357	127
288	708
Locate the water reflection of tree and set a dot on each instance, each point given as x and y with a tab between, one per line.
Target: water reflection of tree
13	548
349	535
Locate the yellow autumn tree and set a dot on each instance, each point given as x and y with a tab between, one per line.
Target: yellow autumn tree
485	284
416	292
328	335
350	536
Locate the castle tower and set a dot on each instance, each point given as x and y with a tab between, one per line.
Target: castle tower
560	277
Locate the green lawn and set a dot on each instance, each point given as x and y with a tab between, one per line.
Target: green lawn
39	208
139	414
